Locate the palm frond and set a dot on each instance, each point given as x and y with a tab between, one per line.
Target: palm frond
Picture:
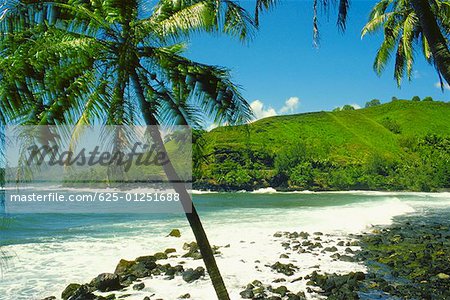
391	36
316	36
426	49
442	12
237	21
206	87
175	19
375	23
344	6
403	30
182	22
399	66
263	5
409	26
379	9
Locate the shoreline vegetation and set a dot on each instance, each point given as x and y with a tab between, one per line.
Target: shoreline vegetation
200	188
405	260
398	146
270	190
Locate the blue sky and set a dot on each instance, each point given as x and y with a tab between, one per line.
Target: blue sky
280	63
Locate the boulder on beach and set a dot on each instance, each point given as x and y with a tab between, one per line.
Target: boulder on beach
106	282
340	286
139	286
330	249
190	275
69	290
124	266
176	270
193	250
335	256
258	290
78	292
175	233
281	290
256	283
190	246
160	255
247	294
304	235
170	250
141	270
286	269
141	267
148	261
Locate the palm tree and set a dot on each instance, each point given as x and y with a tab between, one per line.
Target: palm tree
118	62
406	25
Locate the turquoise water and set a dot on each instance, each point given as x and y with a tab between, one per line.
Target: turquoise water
76	247
29	228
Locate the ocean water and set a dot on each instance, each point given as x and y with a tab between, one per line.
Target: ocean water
43	253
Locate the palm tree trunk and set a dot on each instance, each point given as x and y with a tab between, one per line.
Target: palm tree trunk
433	34
188	206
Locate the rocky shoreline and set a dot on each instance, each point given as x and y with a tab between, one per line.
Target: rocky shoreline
407	260
410	259
131	277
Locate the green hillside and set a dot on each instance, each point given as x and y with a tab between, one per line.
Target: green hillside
282	151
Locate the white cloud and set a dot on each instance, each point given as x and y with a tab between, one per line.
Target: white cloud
211	126
261	111
290	105
446	85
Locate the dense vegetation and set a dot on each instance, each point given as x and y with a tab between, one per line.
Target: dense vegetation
401	145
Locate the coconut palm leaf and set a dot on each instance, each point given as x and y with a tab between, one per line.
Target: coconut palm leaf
344	6
263	5
403	33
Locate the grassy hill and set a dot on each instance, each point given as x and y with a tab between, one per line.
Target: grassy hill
390	133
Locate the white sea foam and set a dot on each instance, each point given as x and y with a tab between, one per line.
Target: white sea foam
201	192
268	190
42	269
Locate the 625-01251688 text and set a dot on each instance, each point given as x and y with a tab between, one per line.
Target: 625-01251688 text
94	197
